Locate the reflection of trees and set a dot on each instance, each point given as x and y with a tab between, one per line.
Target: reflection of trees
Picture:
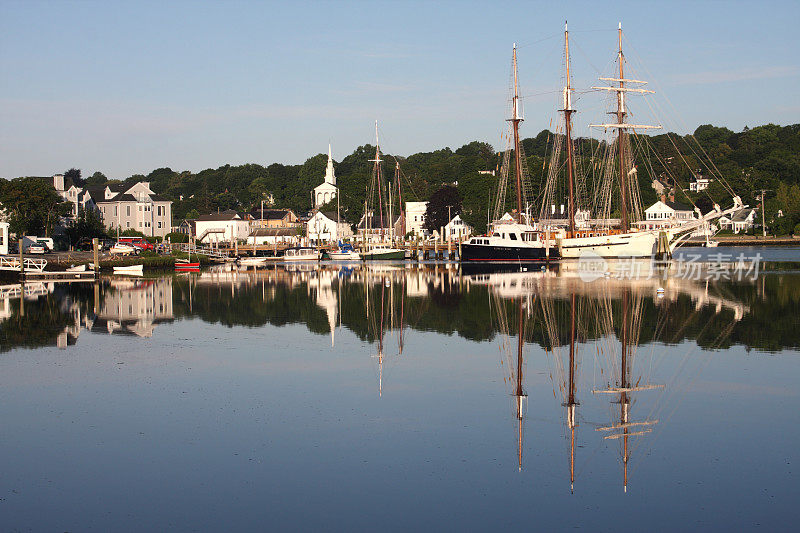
770	323
43	320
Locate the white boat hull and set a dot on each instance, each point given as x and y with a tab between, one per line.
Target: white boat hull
253	261
133	270
640	244
344	256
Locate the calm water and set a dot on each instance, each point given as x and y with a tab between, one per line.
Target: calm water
396	397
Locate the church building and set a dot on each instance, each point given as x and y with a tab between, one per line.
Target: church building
327	191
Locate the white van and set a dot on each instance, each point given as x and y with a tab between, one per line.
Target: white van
30	240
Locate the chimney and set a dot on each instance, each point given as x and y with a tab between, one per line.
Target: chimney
672	195
553	209
562	209
663	198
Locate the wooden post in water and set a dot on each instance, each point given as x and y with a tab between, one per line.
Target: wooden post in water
96	265
21	261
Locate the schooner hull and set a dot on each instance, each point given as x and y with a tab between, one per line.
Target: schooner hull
642	244
506	254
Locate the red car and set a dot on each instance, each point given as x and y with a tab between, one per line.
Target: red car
137	242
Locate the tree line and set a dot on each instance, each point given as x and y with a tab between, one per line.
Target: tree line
762	158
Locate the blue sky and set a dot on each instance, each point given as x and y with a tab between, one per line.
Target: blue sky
128	87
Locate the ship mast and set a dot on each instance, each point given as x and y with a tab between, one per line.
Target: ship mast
377	162
621	126
621	136
568	131
515	120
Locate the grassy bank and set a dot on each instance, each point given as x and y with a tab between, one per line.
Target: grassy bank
150	261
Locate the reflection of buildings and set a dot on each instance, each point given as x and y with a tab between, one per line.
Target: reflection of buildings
326	298
135	307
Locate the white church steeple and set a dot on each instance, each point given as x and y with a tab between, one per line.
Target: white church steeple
330	177
327	190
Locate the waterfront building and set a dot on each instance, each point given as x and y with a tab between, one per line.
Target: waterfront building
666	213
457	229
744	220
274	236
327	226
415	218
327	191
4	238
227	226
135	207
274	218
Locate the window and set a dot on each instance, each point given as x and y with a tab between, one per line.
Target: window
127	224
159	225
116	211
512	236
128	210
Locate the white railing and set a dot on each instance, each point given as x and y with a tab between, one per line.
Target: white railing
31	265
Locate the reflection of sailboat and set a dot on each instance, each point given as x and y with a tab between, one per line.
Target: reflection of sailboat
514	362
622	384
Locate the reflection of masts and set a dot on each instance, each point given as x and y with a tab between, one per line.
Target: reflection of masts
624	390
571	402
519	394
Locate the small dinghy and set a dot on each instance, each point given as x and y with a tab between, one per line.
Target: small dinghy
132	270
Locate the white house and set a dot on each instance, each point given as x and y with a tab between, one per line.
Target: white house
327	191
133	207
457	229
415	218
666	213
741	221
699	183
222	227
327	227
3	238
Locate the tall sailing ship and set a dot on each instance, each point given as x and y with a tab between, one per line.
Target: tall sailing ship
606	236
382	226
511	239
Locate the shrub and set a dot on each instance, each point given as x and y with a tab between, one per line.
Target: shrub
178	237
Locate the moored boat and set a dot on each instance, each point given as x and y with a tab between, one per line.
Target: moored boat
345	252
131	270
301	253
252	261
383	253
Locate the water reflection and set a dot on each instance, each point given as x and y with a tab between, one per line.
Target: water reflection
436	298
488	380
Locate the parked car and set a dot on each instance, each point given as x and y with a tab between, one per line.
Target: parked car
37	249
138	242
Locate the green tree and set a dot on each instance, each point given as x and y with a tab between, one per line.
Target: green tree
444	203
33	205
74	174
97	179
87	225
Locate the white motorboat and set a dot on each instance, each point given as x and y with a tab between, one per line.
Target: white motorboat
77	268
301	253
252	261
131	270
349	255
